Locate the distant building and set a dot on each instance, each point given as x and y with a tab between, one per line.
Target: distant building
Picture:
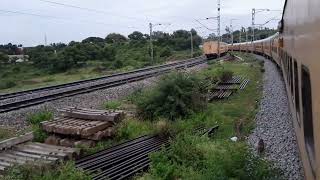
18	58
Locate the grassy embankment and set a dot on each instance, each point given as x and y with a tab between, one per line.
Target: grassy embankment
24	76
175	107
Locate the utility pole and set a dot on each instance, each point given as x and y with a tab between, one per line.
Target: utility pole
231	30
247	29
240	35
151	44
218	18
253	19
45	39
191	44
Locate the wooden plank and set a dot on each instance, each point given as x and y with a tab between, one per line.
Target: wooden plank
53	151
12	160
64	149
25	158
48	158
22	148
71	152
91	114
109	132
16	140
92	130
96	117
4	163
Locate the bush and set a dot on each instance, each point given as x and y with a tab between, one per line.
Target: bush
112	105
166	52
35	121
177	95
37	118
63	172
192	157
6	84
224	75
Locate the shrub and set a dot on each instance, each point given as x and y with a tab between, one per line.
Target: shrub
112	105
192	157
224	75
177	95
163	128
35	120
6	84
65	171
166	52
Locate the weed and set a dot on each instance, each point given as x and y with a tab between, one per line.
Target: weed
35	121
113	105
37	118
6	133
30	172
6	84
132	128
49	79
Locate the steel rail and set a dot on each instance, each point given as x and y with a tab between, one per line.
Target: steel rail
113	83
47	88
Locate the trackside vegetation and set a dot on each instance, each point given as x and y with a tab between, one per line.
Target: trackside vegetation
59	63
193	156
175	107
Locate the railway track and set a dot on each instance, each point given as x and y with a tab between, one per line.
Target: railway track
18	100
129	158
122	161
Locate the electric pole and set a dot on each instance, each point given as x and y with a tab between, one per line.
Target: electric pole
45	39
253	18
240	35
218	18
191	44
247	29
151	44
231	30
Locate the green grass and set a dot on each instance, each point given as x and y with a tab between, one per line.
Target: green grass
196	157
66	171
24	76
35	121
192	156
6	133
113	105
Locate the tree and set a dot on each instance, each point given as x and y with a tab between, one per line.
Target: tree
166	52
136	35
3	58
93	40
108	53
115	38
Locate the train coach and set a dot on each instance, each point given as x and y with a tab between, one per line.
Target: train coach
210	49
295	49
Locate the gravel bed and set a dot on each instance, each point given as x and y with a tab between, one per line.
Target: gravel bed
96	99
274	124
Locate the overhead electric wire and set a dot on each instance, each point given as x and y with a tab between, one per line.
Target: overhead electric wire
61	18
91	10
204	25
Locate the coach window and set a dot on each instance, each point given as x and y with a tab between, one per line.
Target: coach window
307	115
291	76
296	90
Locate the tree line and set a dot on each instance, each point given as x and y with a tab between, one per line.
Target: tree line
115	50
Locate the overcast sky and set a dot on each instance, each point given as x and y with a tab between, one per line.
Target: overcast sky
101	17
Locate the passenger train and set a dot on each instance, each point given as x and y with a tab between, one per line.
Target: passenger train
296	51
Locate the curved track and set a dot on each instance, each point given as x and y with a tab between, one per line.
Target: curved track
18	100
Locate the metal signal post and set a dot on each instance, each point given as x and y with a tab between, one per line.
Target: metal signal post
151	44
218	18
